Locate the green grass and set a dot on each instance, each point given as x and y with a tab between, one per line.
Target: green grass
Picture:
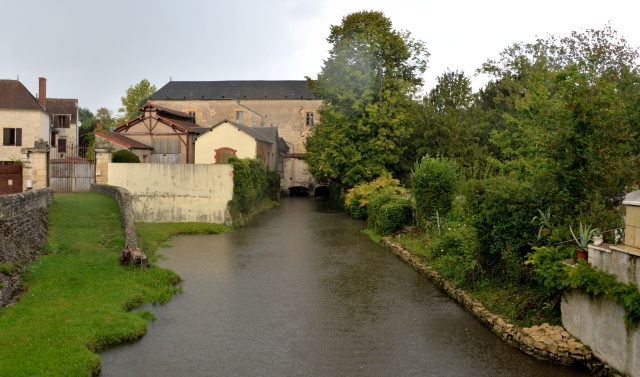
375	237
77	295
151	236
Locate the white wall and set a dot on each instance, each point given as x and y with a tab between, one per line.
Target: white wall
176	192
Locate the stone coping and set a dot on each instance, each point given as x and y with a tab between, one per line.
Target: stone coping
604	247
544	342
627	250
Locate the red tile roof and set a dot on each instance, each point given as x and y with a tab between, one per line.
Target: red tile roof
122	140
14	95
182	124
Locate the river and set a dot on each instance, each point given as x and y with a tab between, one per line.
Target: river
301	292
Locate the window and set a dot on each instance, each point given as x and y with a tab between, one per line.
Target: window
224	154
193	116
62	145
61	121
12	136
309	119
240	117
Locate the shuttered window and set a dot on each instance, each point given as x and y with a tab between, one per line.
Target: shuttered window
62	145
12	136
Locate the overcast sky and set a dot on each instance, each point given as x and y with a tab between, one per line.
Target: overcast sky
94	50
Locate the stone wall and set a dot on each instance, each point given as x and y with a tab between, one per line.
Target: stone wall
123	197
23	231
35	166
545	342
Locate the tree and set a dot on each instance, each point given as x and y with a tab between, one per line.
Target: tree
367	84
105	116
135	97
87	125
451	123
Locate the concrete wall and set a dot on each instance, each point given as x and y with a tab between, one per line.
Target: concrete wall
599	323
34	124
621	260
225	135
24	224
296	173
289	115
176	192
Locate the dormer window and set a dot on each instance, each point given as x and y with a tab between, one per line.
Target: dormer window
61	121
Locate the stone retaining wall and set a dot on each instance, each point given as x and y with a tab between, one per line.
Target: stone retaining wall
123	197
543	342
24	224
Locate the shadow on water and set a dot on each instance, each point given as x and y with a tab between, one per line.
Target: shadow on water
301	292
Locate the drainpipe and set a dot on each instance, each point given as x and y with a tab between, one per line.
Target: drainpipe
261	117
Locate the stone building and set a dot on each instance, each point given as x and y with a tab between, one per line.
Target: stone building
287	105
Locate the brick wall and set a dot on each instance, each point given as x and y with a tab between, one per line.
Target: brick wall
23	231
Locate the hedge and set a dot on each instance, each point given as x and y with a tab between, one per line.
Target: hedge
435	183
388	214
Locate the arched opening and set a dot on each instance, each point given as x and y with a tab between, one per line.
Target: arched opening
298	191
321	191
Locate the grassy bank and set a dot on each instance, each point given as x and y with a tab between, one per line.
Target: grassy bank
77	296
152	236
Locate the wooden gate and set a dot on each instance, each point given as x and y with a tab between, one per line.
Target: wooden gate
10	178
70	170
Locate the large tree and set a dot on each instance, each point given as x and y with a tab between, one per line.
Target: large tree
367	84
135	97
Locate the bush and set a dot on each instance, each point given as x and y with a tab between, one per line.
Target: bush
124	155
359	197
389	214
453	252
250	185
435	182
501	210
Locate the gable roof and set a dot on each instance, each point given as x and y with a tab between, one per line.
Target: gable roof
182	124
165	110
269	133
248	130
14	95
63	106
122	140
256	89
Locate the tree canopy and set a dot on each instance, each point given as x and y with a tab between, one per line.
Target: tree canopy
367	84
135	97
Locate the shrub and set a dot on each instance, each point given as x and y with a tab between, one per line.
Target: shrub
359	197
124	155
453	251
389	214
250	185
435	182
501	210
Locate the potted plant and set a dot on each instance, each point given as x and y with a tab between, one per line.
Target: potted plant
597	237
583	241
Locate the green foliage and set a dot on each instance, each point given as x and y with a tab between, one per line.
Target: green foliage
78	295
389	214
585	233
6	268
548	266
454	251
367	84
135	97
250	185
106	117
358	197
501	210
435	184
124	156
273	181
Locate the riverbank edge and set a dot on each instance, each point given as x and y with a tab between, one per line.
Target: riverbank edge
520	338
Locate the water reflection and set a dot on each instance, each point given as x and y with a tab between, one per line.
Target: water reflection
301	292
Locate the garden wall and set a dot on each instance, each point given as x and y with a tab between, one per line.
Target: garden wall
23	231
176	192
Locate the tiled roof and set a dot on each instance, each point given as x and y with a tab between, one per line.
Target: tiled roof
183	124
248	130
63	106
269	133
14	95
166	110
291	89
122	140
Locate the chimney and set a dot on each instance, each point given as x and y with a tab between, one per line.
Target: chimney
99	126
43	92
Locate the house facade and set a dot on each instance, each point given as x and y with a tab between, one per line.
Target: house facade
229	139
288	105
158	135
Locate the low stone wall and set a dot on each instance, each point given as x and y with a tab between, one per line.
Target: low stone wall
123	197
23	231
543	342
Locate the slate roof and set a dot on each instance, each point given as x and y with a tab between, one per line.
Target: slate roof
14	95
63	106
183	124
122	140
291	89
166	110
270	133
248	130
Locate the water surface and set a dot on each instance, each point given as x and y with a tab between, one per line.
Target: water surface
301	292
